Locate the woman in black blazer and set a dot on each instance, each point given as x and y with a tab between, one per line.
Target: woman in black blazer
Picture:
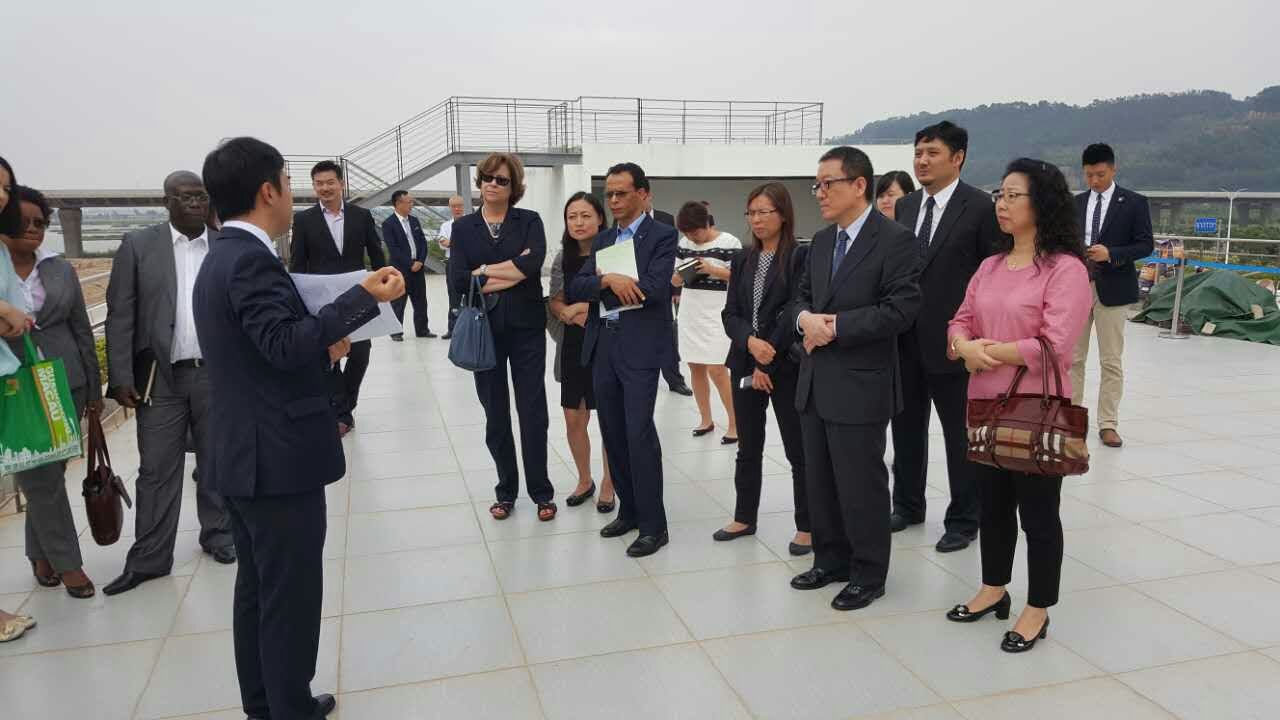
762	282
500	250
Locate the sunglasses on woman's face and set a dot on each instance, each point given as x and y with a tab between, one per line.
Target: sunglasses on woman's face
502	181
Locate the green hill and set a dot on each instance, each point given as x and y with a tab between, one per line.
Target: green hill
1197	140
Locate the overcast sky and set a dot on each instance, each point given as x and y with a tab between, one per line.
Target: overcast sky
116	94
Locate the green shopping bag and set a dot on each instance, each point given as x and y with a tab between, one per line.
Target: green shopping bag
38	423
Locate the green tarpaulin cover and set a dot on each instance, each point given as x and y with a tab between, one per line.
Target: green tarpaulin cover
1221	298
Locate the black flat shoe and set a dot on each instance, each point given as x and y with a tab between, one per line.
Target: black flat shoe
856	597
398	337
726	440
1015	643
798	550
617	528
953	542
576	500
325	705
646	545
817	578
962	613
681	389
48	581
723	535
128	580
898	523
428	334
699	432
604	508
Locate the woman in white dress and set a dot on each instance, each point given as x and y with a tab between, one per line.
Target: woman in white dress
704	345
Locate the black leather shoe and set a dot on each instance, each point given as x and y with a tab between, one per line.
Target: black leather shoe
324	705
225	555
576	500
723	535
617	528
962	613
646	545
951	542
898	523
447	336
799	550
1015	643
856	597
428	334
817	578
682	389
127	581
398	337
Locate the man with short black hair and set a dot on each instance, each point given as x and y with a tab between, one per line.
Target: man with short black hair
857	293
407	246
955	228
1117	233
331	238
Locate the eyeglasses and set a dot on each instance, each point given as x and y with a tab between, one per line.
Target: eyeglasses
619	194
825	185
500	180
1009	197
192	197
35	224
753	214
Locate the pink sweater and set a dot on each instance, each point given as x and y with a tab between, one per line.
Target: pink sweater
1050	298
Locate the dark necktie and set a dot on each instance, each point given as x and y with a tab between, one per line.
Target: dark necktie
842	247
1097	221
926	227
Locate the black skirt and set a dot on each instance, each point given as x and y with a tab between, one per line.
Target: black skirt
576	384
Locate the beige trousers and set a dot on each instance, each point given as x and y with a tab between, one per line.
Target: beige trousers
1108	323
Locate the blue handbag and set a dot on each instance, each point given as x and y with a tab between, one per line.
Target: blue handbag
471	347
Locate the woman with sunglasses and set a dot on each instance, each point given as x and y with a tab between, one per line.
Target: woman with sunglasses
497	255
1036	285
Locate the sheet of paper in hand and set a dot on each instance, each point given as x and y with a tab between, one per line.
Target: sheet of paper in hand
320	290
619	259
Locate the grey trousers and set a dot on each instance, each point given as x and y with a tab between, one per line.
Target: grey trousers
51	531
162	446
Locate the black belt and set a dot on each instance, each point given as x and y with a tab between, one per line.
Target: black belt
192	363
611	323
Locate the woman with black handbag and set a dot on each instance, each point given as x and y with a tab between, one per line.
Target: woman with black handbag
762	281
1035	287
502	247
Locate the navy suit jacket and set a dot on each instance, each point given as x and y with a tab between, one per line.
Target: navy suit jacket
522	305
272	429
645	331
398	246
1126	231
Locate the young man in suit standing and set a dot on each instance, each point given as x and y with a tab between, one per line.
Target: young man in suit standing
955	228
407	246
858	292
1117	233
271	424
331	238
630	348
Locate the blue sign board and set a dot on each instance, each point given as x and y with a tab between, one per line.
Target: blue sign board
1206	225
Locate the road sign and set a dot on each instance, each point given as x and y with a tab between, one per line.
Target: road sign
1207	225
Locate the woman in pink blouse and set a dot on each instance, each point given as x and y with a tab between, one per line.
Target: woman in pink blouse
1034	286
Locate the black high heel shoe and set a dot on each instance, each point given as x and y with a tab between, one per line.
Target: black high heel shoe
576	500
962	613
1015	643
48	581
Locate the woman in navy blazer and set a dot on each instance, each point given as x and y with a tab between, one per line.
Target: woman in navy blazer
499	251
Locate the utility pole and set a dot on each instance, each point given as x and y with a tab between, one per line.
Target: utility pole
1231	204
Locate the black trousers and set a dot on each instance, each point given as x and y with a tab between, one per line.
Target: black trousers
455	296
752	408
625	399
347	380
949	393
848	487
1006	496
276	611
671	373
415	291
525	350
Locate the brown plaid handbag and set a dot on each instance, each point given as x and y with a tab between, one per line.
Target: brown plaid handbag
1039	434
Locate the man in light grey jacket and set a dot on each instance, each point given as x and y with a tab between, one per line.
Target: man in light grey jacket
155	365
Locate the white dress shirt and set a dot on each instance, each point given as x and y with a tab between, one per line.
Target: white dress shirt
253	230
940	200
188	256
32	287
1088	212
335	221
446	232
408	234
854	228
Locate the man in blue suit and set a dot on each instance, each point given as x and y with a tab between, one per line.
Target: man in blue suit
407	247
630	348
273	431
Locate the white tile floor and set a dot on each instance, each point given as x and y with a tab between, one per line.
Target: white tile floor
432	610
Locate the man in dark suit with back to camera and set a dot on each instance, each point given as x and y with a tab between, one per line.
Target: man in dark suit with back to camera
955	228
630	348
407	246
1117	233
858	292
272	431
331	238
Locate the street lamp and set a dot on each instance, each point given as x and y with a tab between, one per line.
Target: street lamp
1231	204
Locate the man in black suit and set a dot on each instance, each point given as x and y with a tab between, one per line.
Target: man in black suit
671	371
407	246
271	423
331	238
858	292
630	347
1117	232
955	228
